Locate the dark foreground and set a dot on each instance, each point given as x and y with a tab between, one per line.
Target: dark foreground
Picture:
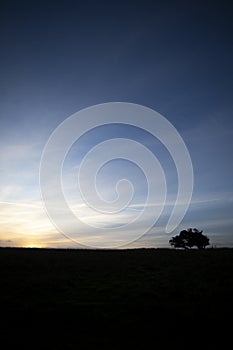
70	299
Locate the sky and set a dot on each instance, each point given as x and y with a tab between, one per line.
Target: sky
57	58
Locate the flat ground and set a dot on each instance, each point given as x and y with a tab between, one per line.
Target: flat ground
69	299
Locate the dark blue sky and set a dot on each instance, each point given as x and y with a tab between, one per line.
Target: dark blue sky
172	56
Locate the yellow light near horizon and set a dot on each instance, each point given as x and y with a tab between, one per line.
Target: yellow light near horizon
33	245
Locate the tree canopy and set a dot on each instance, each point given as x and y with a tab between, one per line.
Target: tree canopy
190	238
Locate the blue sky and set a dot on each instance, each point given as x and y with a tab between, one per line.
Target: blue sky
56	59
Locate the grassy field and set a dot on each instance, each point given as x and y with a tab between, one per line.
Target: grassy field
70	299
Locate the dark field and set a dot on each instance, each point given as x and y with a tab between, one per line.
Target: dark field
70	299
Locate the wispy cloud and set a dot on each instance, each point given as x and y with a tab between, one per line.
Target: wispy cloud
23	218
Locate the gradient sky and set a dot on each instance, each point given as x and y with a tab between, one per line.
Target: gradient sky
58	58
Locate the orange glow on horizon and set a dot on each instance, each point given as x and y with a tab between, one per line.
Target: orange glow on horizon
33	245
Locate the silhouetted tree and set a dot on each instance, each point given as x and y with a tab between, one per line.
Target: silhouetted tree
190	238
